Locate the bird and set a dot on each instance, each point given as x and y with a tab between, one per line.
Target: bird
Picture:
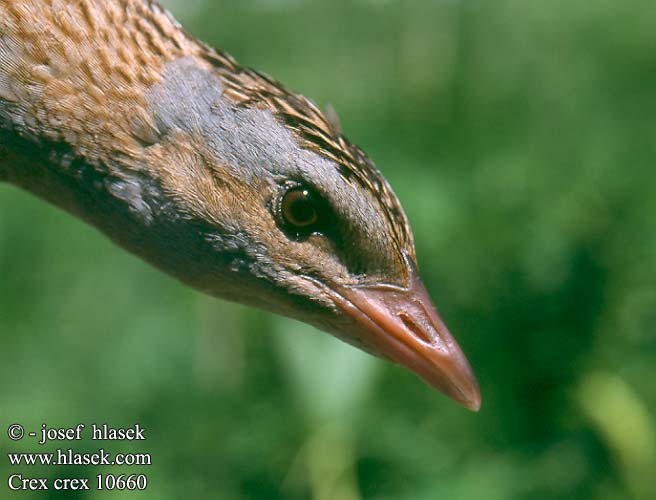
215	174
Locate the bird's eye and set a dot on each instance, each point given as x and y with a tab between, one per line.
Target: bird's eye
299	208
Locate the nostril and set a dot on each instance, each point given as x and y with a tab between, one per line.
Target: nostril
410	324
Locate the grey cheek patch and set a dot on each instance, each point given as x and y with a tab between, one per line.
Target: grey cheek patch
250	141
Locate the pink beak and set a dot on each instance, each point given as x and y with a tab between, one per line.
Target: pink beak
403	325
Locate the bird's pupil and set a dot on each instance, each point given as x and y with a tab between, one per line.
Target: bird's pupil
302	209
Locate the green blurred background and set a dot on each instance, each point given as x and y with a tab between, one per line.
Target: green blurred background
520	137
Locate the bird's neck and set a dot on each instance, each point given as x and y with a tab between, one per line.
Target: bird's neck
76	127
72	79
77	73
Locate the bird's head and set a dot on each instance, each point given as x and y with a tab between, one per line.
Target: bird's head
295	219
